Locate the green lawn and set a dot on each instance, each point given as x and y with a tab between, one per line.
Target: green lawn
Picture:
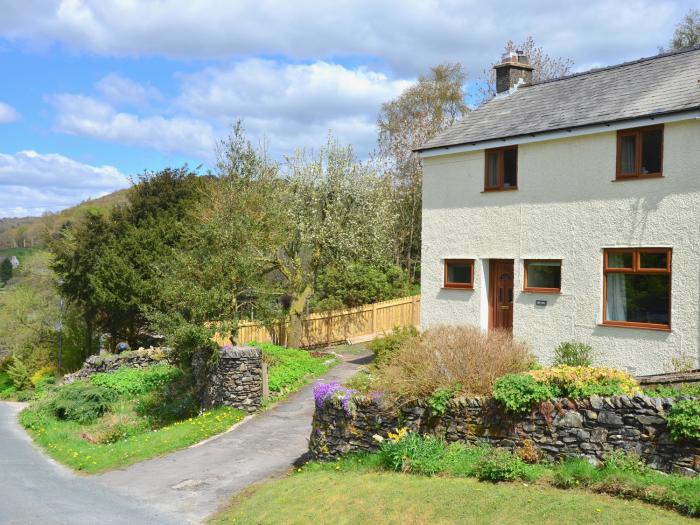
63	440
370	497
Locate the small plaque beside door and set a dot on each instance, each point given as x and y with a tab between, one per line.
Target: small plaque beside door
540	302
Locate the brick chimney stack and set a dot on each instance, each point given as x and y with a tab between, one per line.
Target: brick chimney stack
514	69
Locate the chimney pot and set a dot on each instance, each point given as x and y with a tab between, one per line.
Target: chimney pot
513	70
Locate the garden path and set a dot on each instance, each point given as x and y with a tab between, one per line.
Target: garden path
194	482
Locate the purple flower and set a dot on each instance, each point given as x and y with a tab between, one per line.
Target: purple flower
334	390
377	397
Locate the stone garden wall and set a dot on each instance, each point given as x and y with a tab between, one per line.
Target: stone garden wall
560	429
236	378
141	358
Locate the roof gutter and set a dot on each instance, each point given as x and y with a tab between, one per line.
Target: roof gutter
574	131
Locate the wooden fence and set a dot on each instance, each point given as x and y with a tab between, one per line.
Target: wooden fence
335	326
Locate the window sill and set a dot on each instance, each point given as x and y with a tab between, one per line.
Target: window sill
497	190
457	288
637	177
656	328
542	290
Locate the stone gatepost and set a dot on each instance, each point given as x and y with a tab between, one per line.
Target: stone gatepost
237	379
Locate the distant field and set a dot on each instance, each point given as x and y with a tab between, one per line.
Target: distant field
19	252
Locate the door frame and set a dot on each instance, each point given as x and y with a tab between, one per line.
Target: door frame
492	289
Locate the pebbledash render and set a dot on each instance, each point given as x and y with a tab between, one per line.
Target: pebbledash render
570	210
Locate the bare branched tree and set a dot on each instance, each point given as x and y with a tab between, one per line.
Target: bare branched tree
687	33
546	67
429	106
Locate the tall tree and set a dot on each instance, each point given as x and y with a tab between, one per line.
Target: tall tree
545	66
432	104
337	211
219	273
107	265
687	33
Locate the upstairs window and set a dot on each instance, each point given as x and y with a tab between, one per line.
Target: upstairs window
637	287
501	169
542	276
459	273
640	152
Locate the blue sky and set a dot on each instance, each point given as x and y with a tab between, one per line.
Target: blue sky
96	91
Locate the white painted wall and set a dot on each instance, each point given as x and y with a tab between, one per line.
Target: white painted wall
567	207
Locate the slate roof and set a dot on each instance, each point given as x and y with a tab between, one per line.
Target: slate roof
663	84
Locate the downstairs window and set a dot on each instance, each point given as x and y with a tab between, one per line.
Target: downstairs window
459	273
637	287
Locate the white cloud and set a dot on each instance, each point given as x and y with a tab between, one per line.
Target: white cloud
410	35
118	89
32	183
8	114
292	105
89	117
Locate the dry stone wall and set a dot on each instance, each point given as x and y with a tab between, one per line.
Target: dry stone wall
141	358
562	428
235	379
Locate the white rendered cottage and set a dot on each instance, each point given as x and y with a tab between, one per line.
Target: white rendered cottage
570	210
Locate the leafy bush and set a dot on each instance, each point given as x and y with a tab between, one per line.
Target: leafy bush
137	381
670	391
444	356
520	392
357	284
580	381
19	374
439	399
571	353
684	420
501	465
81	402
388	346
625	462
42	373
413	453
289	367
575	473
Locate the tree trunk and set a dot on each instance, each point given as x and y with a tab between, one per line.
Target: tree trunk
296	313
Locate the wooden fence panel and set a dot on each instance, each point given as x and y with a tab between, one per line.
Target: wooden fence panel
335	326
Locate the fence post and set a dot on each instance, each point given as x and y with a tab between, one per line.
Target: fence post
374	318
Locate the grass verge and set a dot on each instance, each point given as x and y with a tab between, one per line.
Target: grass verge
63	440
117	419
354	496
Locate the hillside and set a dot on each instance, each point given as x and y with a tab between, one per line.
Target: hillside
31	232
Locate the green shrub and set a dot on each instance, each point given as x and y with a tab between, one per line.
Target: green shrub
19	374
386	347
575	473
684	420
357	284
81	402
669	391
501	465
625	462
440	397
137	381
571	353
413	453
520	392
